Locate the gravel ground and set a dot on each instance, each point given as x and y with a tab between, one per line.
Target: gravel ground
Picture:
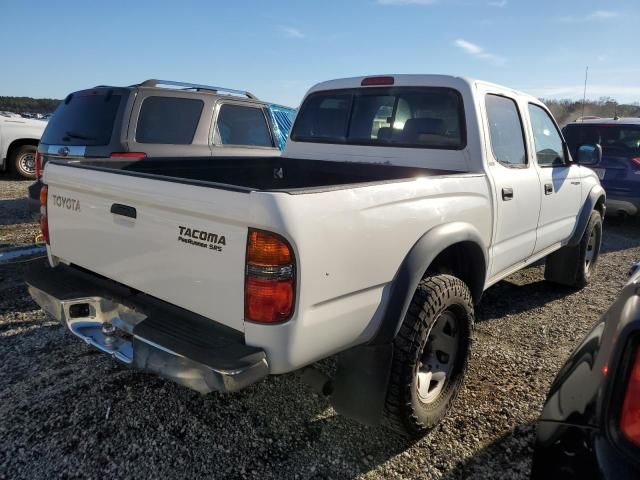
67	411
16	225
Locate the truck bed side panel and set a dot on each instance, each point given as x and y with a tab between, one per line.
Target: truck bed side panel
350	244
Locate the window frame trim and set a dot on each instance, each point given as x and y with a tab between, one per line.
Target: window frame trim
516	166
462	118
139	116
215	133
568	160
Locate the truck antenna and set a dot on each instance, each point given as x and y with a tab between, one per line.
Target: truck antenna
584	95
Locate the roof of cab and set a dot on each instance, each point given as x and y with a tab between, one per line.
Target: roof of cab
417	80
608	121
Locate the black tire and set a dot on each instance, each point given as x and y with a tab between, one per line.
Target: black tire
23	160
439	298
575	266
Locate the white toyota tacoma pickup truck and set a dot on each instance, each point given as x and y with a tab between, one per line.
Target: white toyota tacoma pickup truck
398	201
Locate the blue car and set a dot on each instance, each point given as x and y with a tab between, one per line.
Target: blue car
282	121
619	170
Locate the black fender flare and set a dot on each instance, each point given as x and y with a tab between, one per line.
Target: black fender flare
416	264
362	377
596	195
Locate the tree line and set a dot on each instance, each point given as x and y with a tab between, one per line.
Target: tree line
564	111
28	104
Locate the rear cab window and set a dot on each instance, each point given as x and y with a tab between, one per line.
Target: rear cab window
239	125
415	117
84	118
614	139
168	120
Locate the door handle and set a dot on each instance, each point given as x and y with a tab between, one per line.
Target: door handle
124	210
548	189
507	194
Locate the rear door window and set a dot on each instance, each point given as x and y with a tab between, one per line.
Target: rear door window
505	131
240	125
84	118
168	120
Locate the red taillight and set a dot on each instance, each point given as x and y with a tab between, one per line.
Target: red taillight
270	280
630	417
371	81
38	165
268	300
44	222
128	155
636	161
43	196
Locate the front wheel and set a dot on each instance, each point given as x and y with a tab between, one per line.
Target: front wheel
24	161
430	355
575	266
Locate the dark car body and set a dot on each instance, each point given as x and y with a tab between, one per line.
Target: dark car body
579	432
619	170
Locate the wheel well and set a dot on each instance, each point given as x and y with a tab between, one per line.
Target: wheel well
600	206
19	143
466	261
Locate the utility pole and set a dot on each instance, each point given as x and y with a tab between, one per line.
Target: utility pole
584	95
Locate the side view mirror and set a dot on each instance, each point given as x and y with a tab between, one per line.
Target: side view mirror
589	154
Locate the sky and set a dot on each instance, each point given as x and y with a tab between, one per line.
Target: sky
279	49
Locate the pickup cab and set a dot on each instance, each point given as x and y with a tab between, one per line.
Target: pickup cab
397	202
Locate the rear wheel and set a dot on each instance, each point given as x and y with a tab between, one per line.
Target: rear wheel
24	161
430	355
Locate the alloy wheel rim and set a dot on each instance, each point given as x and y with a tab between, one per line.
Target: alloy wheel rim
438	358
591	250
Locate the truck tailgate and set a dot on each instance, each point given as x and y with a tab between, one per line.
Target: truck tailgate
182	243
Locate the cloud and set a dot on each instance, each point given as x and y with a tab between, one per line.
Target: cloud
603	14
406	2
478	52
292	32
498	3
593	16
468	47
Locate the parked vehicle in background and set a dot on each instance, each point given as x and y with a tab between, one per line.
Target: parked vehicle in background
160	118
397	202
19	139
590	424
619	171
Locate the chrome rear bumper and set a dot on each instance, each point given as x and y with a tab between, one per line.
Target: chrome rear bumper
120	330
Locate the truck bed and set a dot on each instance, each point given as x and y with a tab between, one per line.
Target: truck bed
263	173
184	241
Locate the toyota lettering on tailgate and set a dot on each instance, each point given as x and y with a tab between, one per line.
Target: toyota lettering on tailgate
66	202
